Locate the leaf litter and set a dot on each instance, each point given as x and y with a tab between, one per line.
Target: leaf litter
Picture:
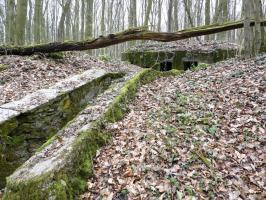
197	136
27	74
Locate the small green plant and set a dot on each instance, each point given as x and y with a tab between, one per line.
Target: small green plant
190	191
185	118
56	56
174	182
212	130
105	58
200	66
124	192
3	67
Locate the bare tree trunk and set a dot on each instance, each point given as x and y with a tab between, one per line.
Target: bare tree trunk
207	15
76	22
147	14
132	19
247	29
175	20
10	22
257	42
61	29
129	35
159	16
29	24
224	18
37	21
21	18
82	19
169	14
187	9
68	23
2	22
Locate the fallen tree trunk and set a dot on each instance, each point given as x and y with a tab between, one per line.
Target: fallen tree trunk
128	35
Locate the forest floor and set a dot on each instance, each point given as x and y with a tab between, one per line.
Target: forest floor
197	136
185	45
21	75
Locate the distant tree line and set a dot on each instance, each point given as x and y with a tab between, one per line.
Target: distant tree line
25	22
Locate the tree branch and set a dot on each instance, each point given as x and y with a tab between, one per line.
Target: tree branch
117	38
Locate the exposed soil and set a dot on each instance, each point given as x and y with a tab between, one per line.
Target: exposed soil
198	136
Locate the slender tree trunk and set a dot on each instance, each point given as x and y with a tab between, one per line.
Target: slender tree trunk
76	22
188	13
262	28
29	24
199	11
61	29
10	22
2	25
187	9
103	18
82	19
159	15
103	23
89	19
257	42
169	14
224	18
207	15
68	23
247	29
132	18
37	21
21	18
148	11
175	20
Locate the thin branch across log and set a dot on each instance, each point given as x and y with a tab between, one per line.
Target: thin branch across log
117	38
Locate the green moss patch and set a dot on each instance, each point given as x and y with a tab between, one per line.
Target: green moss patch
3	67
23	135
153	59
67	182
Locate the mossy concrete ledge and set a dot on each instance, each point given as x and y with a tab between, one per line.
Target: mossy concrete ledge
62	166
27	123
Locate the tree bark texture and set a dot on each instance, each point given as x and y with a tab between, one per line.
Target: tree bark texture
128	35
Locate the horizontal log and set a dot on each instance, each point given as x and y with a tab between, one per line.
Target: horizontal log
117	38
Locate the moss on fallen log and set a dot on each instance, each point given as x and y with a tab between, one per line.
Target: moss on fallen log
125	36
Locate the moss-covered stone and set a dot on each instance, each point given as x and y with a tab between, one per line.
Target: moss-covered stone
69	181
153	59
24	134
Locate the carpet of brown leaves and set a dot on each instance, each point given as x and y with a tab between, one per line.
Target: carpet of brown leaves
185	45
197	136
27	74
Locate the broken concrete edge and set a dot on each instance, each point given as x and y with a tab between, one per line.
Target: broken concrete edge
22	133
31	102
39	97
153	59
69	182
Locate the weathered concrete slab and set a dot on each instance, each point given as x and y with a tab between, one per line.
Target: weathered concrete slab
43	96
157	55
27	123
6	114
60	168
32	101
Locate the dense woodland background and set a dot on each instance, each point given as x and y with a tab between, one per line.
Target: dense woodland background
25	22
